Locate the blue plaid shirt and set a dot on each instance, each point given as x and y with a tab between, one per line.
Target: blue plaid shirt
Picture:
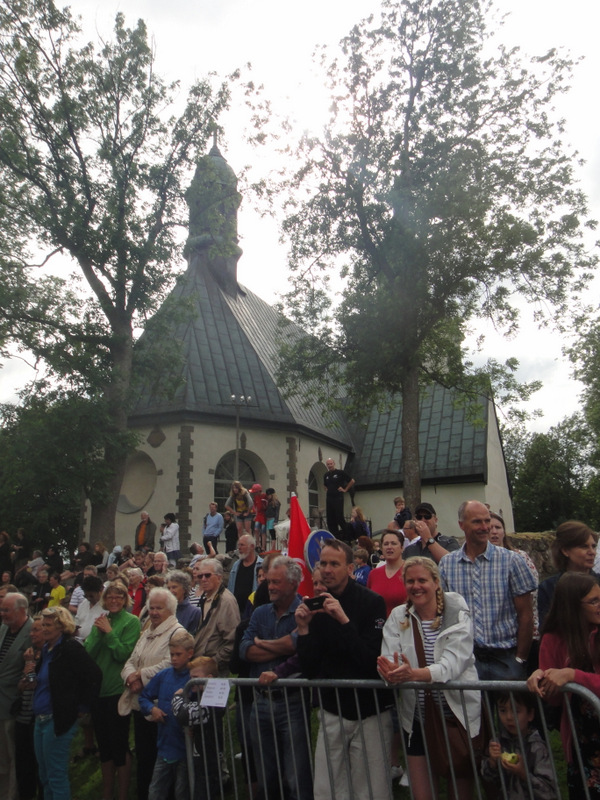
489	585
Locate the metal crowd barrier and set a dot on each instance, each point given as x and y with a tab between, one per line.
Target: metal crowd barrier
290	713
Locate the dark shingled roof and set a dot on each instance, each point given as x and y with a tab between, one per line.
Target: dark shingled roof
451	448
230	346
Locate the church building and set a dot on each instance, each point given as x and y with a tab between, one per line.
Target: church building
218	414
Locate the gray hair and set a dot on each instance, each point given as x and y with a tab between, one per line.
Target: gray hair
171	601
248	538
20	601
215	564
293	571
180	577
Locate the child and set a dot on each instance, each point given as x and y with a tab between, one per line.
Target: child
57	591
361	566
272	513
259	498
171	764
207	731
535	760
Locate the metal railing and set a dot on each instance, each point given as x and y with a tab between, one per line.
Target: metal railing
284	739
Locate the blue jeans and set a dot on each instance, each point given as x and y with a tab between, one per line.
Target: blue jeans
493	664
166	775
52	753
280	736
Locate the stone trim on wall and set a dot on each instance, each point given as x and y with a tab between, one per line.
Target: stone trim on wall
292	464
185	495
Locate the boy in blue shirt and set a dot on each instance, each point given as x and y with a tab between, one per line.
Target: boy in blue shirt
155	703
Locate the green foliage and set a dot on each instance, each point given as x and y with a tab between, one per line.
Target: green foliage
552	476
51	457
439	190
93	167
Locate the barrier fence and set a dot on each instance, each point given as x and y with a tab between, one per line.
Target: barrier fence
332	740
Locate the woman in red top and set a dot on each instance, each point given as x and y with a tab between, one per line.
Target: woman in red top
386	580
570	653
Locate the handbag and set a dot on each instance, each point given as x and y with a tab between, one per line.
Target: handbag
454	755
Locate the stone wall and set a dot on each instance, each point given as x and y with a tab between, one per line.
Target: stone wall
537	545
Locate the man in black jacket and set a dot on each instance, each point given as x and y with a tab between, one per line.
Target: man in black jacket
342	641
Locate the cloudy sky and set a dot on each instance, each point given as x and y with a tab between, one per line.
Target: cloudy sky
278	39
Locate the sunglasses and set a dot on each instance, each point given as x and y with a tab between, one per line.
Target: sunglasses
423	515
205	574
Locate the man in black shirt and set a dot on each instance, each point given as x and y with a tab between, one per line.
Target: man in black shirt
243	576
342	642
337	483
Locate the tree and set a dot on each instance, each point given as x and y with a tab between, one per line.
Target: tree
93	162
439	190
51	459
552	478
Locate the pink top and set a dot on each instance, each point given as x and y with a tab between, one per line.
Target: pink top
553	655
391	589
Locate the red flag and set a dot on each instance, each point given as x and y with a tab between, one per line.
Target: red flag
299	532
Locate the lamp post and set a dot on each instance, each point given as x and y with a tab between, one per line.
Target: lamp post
238	400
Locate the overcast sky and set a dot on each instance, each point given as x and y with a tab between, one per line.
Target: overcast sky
278	39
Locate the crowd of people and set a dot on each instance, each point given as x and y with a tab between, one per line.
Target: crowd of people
110	642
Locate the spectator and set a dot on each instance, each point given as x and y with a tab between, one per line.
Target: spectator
145	533
402	514
57	591
14	641
497	585
361	566
136	590
170	539
150	655
573	550
170	768
220	617
90	608
429	542
179	584
239	503
243	576
231	532
272	514
40	596
160	565
358	524
343	641
259	502
67	681
277	722
213	526
570	653
387	579
519	737
337	484
110	644
100	557
203	719
54	561
430	639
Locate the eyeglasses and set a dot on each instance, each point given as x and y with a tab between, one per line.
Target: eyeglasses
595	602
423	515
205	574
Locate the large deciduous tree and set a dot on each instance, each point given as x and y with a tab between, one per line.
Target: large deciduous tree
440	191
93	165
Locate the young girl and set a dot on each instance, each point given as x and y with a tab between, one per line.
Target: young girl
570	653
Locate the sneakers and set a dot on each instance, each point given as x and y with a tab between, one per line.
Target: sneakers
396	772
404	780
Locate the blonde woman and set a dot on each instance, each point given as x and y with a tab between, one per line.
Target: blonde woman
241	506
430	638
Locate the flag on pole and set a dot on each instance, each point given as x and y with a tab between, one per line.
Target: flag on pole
299	532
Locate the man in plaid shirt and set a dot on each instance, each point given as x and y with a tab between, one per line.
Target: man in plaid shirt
497	585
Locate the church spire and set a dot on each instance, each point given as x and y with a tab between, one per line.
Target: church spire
214	200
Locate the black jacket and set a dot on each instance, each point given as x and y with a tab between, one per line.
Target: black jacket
75	680
332	650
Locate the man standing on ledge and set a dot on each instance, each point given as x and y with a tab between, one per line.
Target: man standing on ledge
337	483
145	533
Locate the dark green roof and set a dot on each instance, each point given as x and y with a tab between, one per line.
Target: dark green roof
451	447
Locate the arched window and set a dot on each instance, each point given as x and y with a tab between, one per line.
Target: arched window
316	499
224	478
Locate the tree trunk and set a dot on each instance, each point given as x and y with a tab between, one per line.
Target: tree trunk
411	464
117	447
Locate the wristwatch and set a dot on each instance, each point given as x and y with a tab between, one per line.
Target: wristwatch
519	660
429	541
